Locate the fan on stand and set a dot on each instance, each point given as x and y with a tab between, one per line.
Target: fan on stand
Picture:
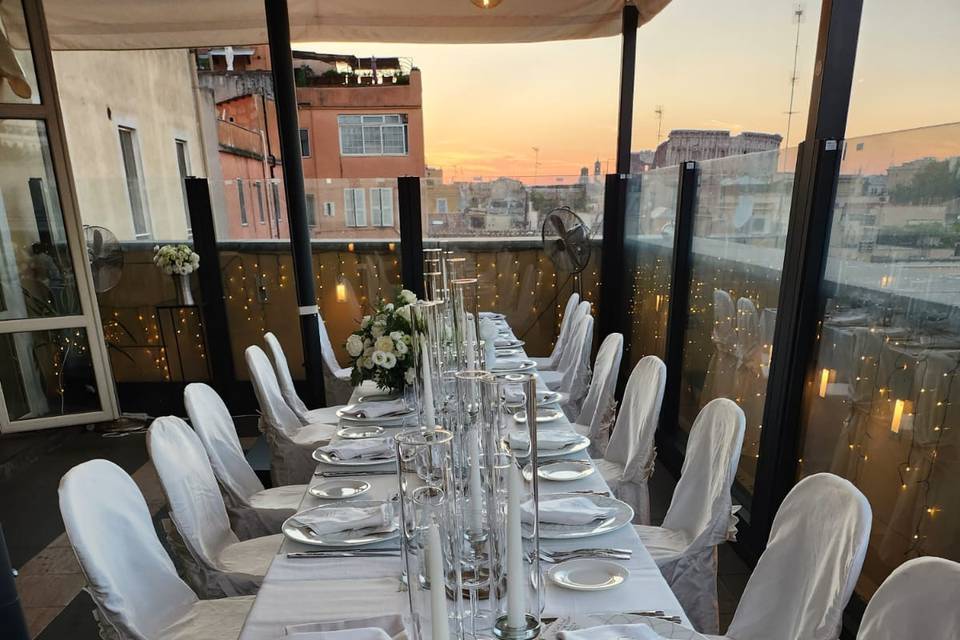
566	241
106	257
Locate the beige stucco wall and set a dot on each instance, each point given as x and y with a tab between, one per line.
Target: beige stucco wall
152	92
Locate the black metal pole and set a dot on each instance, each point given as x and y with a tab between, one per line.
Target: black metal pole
799	308
628	64
411	234
612	315
213	305
285	93
12	622
677	314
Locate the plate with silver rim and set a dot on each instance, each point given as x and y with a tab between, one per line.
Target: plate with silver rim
561	470
543	399
547	415
581	443
339	489
518	367
664	628
327	458
360	432
391	418
622	516
588	574
507	352
508	343
297	532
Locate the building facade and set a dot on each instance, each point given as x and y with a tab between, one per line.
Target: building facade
705	144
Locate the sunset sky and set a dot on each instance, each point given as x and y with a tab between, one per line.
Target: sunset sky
711	64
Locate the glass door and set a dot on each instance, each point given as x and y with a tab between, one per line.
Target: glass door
52	352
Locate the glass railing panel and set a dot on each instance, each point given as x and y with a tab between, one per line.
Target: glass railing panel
880	407
739	232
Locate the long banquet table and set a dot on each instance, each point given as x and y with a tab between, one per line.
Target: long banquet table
300	591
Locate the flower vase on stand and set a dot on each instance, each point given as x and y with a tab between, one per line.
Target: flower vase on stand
184	292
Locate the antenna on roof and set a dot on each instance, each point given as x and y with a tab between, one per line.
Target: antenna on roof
659	113
798	12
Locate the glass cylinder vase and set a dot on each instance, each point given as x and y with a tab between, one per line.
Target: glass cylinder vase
431	533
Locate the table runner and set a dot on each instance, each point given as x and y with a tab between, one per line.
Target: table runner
297	591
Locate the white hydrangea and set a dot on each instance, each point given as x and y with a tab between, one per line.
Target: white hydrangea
407	296
354	345
385	344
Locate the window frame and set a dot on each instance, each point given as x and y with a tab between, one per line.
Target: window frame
241	199
304	142
183	165
141	194
350	200
370	123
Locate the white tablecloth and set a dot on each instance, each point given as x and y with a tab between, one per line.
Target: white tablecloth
297	591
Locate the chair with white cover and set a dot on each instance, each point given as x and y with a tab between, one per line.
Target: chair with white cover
291	443
918	600
129	575
326	415
216	562
550	363
336	378
807	573
701	513
254	511
628	461
722	368
572	377
600	406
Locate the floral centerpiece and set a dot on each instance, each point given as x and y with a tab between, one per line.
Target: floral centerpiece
179	261
380	350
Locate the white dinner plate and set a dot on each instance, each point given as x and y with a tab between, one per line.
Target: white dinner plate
506	353
364	431
523	365
339	489
493	315
588	574
664	628
507	342
387	419
543	399
581	443
622	517
351	538
561	470
545	415
326	458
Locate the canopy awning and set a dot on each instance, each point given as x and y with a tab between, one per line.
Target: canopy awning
167	24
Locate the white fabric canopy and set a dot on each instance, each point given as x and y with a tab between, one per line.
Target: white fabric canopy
129	575
222	565
549	363
599	407
701	513
918	600
254	511
171	24
628	462
806	574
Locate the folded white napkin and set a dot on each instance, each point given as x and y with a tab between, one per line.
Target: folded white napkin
573	511
517	395
337	519
504	342
612	632
363	448
547	439
388	627
375	408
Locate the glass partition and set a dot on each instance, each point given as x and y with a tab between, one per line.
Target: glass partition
879	407
740	222
497	225
650	220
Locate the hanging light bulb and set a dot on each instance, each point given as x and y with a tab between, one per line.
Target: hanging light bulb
341	289
486	4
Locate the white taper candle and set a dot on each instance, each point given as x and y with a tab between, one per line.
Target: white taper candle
439	623
516	585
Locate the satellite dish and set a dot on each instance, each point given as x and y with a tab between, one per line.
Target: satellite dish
566	240
105	256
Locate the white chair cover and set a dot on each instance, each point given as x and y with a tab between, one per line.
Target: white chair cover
572	379
805	576
701	513
254	511
550	362
918	600
221	564
289	391
291	443
129	575
628	462
600	406
719	380
336	378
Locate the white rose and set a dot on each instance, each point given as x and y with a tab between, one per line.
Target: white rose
365	322
404	312
368	352
354	345
368	362
390	361
377	331
379	358
407	296
384	344
401	347
396	336
410	376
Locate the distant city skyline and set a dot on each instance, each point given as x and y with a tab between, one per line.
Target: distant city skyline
487	106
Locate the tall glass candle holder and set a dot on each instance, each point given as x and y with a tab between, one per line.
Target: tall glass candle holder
515	565
426	318
465	296
433	285
431	533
